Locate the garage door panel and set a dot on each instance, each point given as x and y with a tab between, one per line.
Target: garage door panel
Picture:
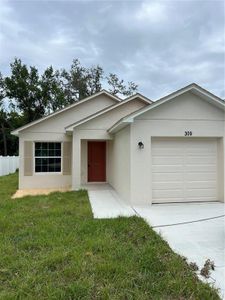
162	177
199	176
201	160
201	168
170	143
201	184
179	185
167	169
200	147
201	152
168	185
196	193
184	169
167	151
167	160
200	199
163	194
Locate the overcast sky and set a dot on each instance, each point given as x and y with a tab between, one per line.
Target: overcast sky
161	46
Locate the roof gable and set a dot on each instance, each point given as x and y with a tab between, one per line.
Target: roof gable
193	88
77	103
137	96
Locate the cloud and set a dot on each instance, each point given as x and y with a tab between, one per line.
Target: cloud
213	41
160	45
154	12
7	22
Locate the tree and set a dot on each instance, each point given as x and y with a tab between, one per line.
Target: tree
3	132
2	89
94	79
32	95
2	117
22	88
13	120
8	122
52	90
80	82
118	86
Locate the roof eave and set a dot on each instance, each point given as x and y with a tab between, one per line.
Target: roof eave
14	132
68	130
119	125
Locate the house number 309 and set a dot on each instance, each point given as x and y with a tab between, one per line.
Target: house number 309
188	133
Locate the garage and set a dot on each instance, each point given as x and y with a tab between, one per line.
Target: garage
184	169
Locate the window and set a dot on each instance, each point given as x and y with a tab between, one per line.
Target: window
47	157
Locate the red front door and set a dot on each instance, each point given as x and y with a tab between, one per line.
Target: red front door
96	161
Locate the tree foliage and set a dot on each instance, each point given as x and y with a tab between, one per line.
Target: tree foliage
52	91
31	95
117	86
23	90
80	82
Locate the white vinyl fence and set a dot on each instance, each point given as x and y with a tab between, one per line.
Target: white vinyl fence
8	164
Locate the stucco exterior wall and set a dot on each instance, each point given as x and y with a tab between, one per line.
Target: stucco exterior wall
119	163
39	181
96	129
129	169
53	130
172	119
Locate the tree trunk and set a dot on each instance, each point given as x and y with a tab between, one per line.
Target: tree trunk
4	139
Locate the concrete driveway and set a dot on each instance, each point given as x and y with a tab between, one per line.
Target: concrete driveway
201	237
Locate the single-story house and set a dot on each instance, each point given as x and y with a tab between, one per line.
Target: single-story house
169	150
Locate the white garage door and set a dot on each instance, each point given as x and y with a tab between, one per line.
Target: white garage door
184	169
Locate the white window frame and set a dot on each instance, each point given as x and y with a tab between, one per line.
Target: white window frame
47	173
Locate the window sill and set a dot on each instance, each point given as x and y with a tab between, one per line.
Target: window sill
47	173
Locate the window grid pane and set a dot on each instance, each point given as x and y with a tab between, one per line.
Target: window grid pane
48	149
47	157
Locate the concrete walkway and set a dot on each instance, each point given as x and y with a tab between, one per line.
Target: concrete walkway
198	240
106	203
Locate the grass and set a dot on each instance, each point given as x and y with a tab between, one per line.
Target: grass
52	248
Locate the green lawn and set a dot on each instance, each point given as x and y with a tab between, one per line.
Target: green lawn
52	248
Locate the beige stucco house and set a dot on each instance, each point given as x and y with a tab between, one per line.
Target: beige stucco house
169	150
